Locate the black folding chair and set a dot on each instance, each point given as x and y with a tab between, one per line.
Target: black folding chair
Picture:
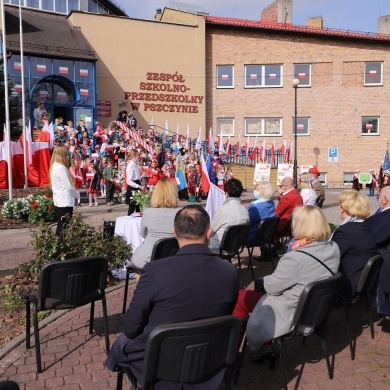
263	239
165	247
315	303
367	286
232	241
285	236
189	352
66	285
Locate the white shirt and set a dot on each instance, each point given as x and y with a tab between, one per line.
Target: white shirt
309	196
132	173
64	193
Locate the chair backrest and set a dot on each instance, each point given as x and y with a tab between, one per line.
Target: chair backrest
233	239
369	276
73	282
316	301
193	351
164	247
266	229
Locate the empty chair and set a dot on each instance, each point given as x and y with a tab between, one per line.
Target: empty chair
189	352
232	241
165	247
263	239
367	286
66	285
315	303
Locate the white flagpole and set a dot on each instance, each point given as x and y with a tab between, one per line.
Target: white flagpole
7	122
23	96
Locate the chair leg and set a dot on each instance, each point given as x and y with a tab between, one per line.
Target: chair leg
37	342
370	322
280	344
239	362
105	322
119	380
352	347
126	290
250	264
91	317
330	371
272	256
239	261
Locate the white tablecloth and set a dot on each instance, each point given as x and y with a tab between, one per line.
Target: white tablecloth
129	227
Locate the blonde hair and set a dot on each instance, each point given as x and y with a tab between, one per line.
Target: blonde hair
310	222
60	155
355	204
133	153
165	194
266	190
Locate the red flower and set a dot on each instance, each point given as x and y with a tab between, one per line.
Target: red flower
51	208
48	195
34	205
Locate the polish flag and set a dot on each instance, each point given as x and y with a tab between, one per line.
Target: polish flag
63	70
254	150
225	77
238	146
263	151
301	75
369	126
273	152
372	72
228	146
221	147
177	134
210	141
198	143
283	149
18	88
166	127
272	75
188	137
41	68
61	95
253	76
84	92
300	127
17	65
246	147
292	152
84	72
43	93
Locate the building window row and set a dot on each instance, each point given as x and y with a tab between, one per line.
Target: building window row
272	126
271	75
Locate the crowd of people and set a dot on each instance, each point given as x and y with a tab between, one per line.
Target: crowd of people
182	287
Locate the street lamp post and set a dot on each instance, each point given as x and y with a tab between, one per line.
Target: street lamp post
295	84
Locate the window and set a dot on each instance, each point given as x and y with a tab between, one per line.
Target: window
302	72
73	5
370	125
373	73
61	6
263	126
48	5
347	178
263	76
302	126
225	76
225	126
64	68
32	3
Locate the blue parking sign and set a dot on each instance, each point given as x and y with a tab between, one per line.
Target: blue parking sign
333	154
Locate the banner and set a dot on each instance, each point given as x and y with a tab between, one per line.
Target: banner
262	172
284	170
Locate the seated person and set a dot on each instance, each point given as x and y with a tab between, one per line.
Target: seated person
176	289
232	212
308	194
380	221
289	199
157	220
273	310
262	207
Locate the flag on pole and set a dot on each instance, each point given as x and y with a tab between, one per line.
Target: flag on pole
291	152
29	144
238	146
283	150
180	174
166	127
216	196
254	150
221	147
386	161
228	146
198	143
273	152
246	148
188	137
210	142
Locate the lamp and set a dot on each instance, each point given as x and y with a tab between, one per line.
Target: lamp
295	84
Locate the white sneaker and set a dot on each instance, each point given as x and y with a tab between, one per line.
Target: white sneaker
96	204
90	205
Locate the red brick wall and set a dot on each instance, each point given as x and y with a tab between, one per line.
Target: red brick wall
270	13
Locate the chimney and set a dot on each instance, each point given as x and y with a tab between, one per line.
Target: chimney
384	24
315	22
158	15
280	11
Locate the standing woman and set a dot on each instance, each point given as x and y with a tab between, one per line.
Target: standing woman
133	180
62	185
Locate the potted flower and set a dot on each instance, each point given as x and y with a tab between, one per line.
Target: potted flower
142	199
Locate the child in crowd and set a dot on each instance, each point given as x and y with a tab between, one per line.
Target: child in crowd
103	164
221	180
153	173
76	172
94	185
108	176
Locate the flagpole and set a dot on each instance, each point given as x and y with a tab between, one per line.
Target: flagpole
6	101
23	97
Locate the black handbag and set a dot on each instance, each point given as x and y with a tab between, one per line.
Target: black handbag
108	229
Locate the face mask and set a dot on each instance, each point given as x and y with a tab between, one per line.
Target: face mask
256	194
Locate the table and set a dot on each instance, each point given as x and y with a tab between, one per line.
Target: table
129	227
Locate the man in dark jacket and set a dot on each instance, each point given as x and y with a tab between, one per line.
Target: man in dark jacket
193	284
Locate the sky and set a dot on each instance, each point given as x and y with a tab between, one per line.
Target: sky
356	15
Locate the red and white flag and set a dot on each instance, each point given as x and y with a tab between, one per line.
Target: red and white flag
84	72
166	127
18	88
84	92
17	65
254	150
221	147
246	147
177	134
302	75
238	146
273	152
188	137
210	143
263	151
225	77
41	68
29	144
198	143
63	70
228	146
283	149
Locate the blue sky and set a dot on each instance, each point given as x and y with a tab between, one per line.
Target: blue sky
357	15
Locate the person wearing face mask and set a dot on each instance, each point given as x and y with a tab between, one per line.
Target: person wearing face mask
262	207
133	180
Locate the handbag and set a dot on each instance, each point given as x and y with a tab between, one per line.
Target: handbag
108	229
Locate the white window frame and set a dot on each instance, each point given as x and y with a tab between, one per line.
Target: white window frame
261	123
373	117
219	73
372	66
262	75
301	121
346	176
225	126
298	75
